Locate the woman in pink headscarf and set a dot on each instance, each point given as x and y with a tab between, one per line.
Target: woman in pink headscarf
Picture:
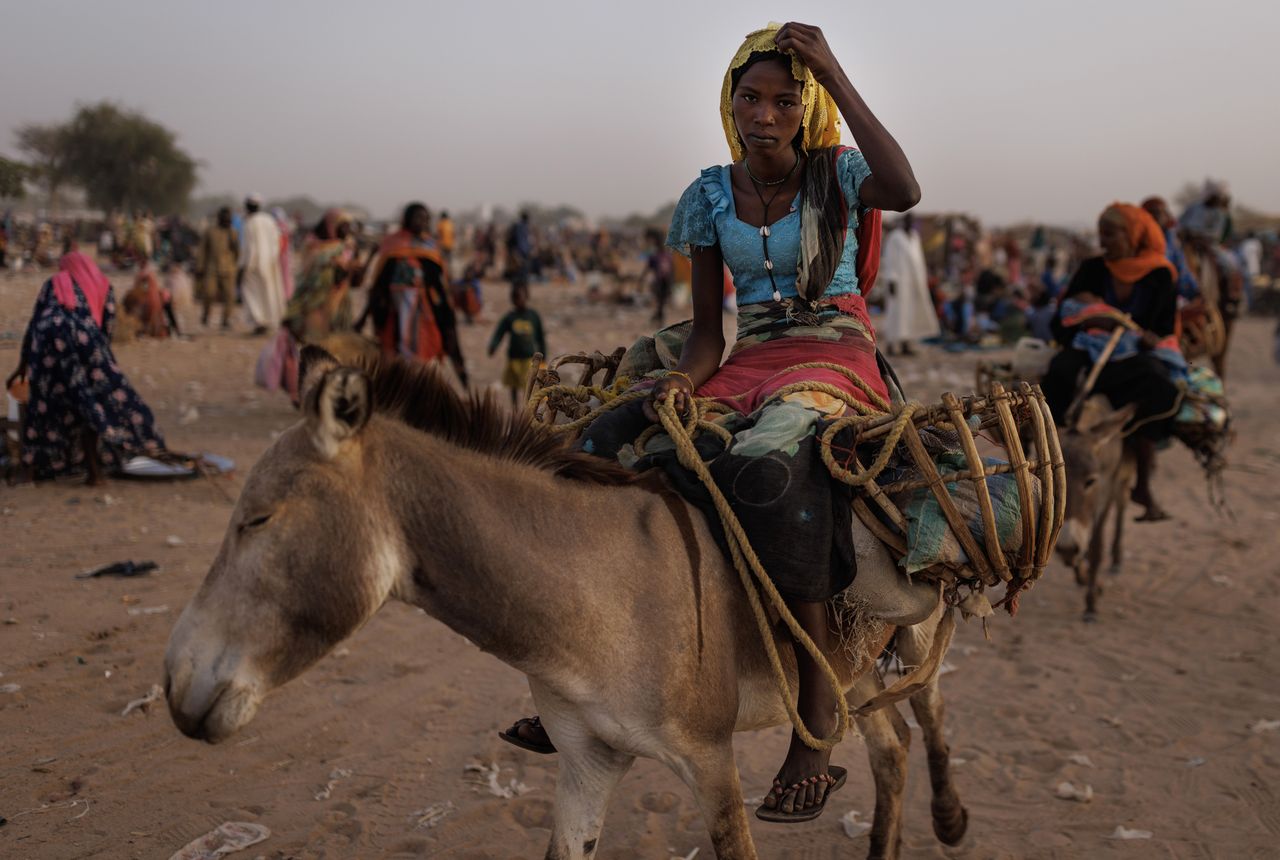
81	412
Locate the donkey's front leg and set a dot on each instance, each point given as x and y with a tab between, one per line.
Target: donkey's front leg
1093	588
713	775
589	772
1117	538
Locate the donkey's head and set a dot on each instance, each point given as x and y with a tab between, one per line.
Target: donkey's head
308	557
1092	449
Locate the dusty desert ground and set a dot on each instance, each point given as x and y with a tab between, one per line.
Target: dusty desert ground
1163	708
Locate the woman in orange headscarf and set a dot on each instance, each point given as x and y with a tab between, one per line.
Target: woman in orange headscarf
1133	277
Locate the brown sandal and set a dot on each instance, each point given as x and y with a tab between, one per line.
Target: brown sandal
512	736
834	777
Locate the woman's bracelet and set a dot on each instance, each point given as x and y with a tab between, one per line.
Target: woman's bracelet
687	378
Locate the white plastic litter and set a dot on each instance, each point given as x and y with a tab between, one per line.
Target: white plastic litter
487	775
228	838
1264	726
155	694
148	610
430	816
853	828
335	776
1068	791
1122	832
149	467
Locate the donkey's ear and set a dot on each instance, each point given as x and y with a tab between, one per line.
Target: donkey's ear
313	363
338	407
1103	431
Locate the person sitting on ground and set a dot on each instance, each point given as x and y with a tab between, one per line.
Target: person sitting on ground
1132	276
794	219
522	326
150	303
82	412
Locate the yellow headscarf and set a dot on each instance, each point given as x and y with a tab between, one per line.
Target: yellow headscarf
821	125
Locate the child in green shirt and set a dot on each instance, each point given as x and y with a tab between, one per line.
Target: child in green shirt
523	328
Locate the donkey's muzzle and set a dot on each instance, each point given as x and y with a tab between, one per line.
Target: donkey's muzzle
193	720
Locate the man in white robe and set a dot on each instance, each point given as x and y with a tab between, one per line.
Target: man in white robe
909	314
261	281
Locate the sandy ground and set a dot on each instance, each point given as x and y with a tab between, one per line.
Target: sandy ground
1158	707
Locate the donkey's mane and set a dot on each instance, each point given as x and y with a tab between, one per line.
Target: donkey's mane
418	395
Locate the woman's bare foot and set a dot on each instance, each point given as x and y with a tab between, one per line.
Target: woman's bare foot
802	782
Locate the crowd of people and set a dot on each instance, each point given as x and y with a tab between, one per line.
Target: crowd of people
944	279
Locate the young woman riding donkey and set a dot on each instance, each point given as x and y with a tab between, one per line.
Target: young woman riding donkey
343	512
794	218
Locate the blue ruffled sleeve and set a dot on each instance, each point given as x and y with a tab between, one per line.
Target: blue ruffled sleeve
693	223
852	169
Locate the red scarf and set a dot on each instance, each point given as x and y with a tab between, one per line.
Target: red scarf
77	270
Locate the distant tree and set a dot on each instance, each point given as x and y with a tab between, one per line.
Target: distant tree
12	178
45	147
124	160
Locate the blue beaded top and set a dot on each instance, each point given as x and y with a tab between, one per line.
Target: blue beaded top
706	216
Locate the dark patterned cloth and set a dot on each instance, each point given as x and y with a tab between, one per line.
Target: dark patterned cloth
797	518
77	384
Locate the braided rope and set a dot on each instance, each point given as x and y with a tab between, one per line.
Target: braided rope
748	565
755	581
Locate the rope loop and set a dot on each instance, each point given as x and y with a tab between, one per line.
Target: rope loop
682	431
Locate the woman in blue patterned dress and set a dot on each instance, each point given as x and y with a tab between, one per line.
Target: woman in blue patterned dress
82	413
795	220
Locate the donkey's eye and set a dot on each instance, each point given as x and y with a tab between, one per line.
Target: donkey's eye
255	522
1089	482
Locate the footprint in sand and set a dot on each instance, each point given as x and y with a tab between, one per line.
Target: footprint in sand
532	812
340	821
660	802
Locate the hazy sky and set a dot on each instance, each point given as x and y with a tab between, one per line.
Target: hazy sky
1010	109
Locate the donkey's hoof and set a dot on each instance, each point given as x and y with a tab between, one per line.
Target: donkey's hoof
1090	616
950	823
1115	568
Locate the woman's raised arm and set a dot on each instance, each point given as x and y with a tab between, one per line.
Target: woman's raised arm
892	184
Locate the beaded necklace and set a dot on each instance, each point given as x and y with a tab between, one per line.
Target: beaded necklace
764	228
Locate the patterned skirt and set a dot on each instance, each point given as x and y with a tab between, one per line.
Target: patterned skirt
797	518
76	384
